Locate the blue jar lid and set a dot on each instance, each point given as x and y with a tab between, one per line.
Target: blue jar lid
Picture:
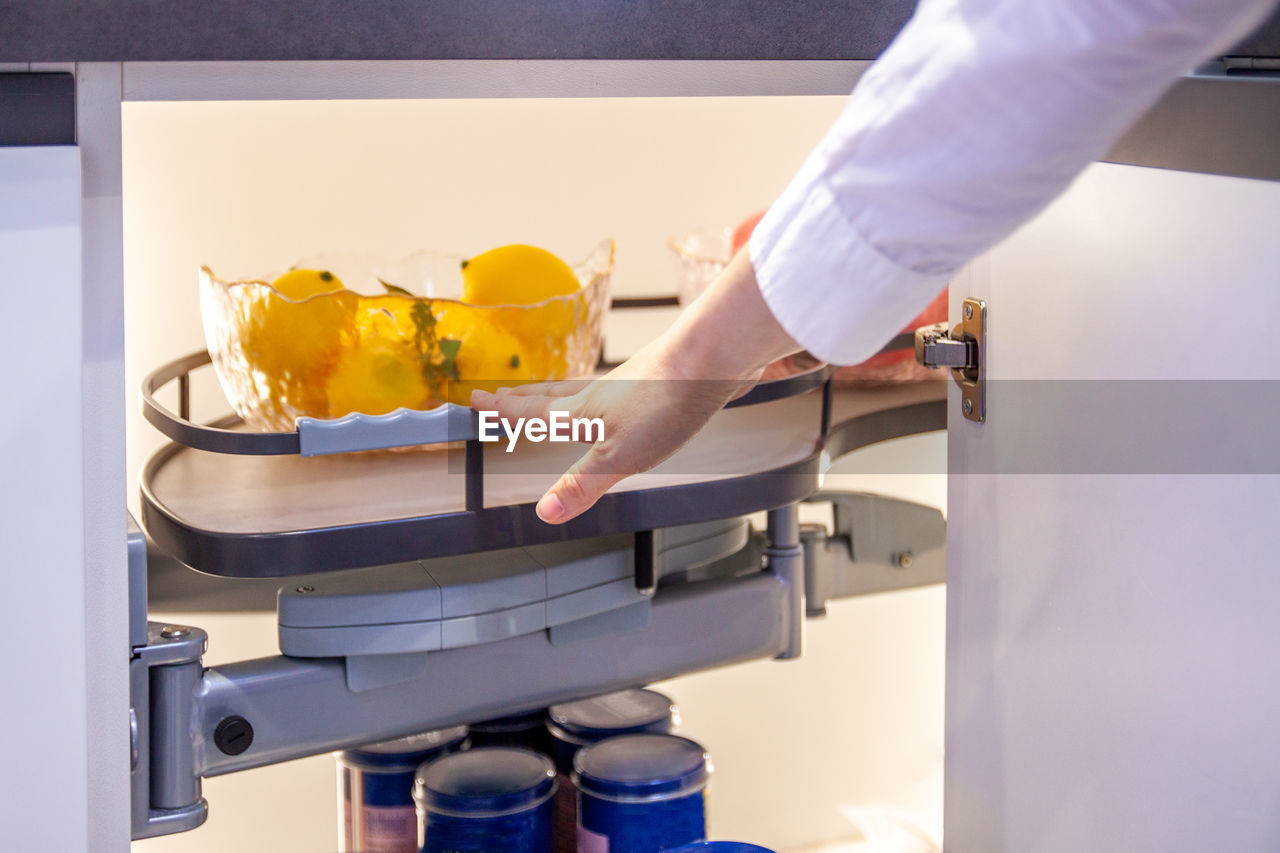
405	753
620	713
720	847
514	723
641	767
485	782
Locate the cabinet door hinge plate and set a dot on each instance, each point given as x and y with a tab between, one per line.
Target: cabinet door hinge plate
963	351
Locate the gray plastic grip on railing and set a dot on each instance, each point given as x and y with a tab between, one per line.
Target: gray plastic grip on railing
401	428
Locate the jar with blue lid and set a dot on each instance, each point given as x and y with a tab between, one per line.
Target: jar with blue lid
641	793
375	790
574	725
485	800
524	731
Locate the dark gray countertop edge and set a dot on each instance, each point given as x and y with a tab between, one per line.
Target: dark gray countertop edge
198	30
263	30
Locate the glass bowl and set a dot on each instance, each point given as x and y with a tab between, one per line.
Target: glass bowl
699	257
397	336
702	255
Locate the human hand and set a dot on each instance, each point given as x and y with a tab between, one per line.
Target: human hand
656	401
649	408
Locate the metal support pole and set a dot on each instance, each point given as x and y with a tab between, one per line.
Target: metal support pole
812	538
646	563
174	781
474	461
184	396
786	562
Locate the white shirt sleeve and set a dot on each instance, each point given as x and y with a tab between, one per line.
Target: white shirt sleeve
974	119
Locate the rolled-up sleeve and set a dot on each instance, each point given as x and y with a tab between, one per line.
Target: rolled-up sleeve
974	119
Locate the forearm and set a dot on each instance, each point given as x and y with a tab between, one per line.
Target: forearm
975	118
728	332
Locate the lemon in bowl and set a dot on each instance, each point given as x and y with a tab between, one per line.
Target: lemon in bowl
517	274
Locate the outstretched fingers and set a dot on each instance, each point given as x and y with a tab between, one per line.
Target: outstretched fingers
511	406
556	388
579	488
587	480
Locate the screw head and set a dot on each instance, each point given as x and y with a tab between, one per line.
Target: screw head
305	589
968	407
174	632
233	735
968	311
904	560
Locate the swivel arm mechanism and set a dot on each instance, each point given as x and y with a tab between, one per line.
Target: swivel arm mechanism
378	653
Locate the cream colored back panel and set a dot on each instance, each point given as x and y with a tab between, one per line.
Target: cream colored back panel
248	187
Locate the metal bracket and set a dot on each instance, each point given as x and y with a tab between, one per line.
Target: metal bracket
879	544
165	675
963	350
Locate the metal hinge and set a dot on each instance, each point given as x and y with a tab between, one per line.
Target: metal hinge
165	673
165	676
962	350
877	544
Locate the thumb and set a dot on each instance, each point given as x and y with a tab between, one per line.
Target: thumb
578	489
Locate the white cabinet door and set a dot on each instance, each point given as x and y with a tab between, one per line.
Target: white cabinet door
1113	572
44	785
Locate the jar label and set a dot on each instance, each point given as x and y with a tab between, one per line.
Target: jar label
592	842
389	829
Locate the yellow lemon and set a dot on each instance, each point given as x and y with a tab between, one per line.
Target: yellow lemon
303	284
385	317
545	331
489	356
515	275
375	377
294	331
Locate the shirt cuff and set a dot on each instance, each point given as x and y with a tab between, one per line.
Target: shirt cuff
837	295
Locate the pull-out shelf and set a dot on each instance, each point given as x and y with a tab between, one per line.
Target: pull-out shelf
279	515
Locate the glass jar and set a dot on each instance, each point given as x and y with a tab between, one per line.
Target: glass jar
523	731
640	793
484	800
574	725
375	790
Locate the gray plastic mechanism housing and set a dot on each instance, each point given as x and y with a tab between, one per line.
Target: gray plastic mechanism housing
451	602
